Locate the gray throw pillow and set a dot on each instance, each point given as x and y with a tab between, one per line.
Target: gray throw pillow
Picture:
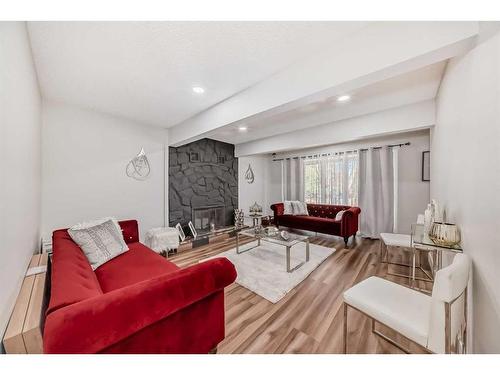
287	208
100	243
299	208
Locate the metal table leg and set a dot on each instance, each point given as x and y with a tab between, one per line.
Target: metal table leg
238	251
288	260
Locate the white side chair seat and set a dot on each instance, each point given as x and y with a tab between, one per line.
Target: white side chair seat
425	320
396	239
404	242
401	308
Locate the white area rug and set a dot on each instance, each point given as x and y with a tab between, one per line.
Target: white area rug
263	269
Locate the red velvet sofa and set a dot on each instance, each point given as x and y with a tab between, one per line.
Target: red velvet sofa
321	219
138	302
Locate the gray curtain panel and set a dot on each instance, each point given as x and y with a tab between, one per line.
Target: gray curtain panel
293	179
377	184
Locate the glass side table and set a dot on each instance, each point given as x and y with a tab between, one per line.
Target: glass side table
420	241
256	219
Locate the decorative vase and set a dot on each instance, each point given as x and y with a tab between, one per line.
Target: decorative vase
436	211
238	218
444	234
428	219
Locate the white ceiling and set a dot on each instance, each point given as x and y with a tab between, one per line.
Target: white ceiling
144	71
413	87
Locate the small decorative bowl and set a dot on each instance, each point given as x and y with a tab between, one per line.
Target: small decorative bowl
272	231
444	234
285	235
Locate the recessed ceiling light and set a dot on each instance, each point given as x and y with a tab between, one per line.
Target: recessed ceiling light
242	128
344	98
198	89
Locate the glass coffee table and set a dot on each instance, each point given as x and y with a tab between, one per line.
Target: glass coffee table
277	240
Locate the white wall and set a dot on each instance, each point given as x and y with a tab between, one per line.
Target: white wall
465	176
413	193
265	190
248	194
84	158
20	162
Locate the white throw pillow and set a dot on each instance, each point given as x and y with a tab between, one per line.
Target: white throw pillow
100	242
287	208
339	215
295	208
300	208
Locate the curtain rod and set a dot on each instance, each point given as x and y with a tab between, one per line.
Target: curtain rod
340	152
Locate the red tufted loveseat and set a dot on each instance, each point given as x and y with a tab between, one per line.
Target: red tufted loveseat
138	302
321	219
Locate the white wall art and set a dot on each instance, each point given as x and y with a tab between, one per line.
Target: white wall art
249	176
138	168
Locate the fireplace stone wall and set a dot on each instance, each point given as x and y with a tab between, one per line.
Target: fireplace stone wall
202	173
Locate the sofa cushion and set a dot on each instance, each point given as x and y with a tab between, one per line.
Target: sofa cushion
138	264
72	278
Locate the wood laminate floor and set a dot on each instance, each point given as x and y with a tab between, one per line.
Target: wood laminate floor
309	319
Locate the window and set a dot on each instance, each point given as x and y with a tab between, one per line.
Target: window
332	179
312	181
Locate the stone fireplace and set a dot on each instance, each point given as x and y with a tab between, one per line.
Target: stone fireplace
203	184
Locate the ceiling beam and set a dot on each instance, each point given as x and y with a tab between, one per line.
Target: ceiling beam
379	51
402	119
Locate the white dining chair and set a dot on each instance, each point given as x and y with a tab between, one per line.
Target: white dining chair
437	323
403	242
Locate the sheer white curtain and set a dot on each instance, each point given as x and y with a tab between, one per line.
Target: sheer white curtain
332	179
293	179
377	187
340	179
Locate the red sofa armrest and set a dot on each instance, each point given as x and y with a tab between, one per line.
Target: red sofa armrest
349	222
94	324
278	210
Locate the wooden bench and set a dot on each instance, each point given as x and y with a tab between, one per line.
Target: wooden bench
25	329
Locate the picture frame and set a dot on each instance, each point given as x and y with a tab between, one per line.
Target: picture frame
182	235
192	229
426	166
